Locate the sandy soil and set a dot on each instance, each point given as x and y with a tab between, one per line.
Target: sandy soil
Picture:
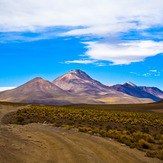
47	144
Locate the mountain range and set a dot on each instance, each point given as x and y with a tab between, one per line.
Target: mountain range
78	87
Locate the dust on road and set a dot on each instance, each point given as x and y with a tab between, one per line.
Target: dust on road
44	143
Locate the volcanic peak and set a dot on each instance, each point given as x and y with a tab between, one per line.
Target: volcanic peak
130	83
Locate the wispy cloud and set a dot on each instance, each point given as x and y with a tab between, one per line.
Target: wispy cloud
5	88
135	73
80	61
95	17
148	74
123	52
157	74
153	70
32	36
87	18
95	62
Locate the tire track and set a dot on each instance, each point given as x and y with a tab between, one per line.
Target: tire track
35	143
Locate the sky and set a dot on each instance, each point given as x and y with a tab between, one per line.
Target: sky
112	41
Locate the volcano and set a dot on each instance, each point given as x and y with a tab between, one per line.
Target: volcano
78	87
37	91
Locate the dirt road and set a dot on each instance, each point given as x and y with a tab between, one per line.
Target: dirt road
47	144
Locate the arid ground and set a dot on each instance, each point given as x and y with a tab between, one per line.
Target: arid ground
44	143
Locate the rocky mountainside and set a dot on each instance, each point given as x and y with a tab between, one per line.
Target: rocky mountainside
37	90
154	91
161	101
78	82
78	87
136	91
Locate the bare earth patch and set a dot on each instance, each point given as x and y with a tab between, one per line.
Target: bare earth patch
44	143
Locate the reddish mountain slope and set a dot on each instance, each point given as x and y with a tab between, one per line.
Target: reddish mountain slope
81	85
77	87
78	82
37	90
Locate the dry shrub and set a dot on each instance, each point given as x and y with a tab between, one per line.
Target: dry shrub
160	154
144	144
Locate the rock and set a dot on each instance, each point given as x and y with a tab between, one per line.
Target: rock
96	134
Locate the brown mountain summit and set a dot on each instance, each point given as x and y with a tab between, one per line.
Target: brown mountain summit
78	87
78	82
36	90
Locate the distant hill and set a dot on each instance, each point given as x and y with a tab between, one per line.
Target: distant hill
161	101
154	91
141	92
37	90
76	87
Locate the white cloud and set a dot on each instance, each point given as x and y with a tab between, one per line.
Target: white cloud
147	74
81	61
135	73
102	30
86	62
6	88
124	52
153	70
158	74
96	17
105	18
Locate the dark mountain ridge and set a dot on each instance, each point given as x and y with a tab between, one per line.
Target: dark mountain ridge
136	91
78	87
161	101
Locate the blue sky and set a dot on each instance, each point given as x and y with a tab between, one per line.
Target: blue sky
114	42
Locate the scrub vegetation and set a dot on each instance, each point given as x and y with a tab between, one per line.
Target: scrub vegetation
140	130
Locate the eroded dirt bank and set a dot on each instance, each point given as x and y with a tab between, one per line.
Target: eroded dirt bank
47	144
